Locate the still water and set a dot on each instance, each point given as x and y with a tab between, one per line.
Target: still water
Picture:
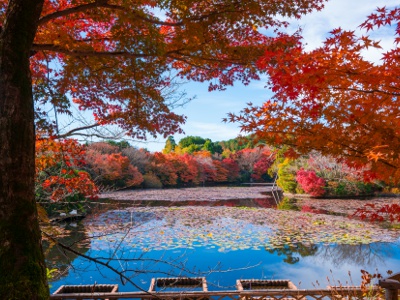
223	242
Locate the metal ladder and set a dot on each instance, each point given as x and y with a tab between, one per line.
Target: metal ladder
275	191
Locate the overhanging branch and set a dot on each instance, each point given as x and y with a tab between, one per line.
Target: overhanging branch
88	53
102	4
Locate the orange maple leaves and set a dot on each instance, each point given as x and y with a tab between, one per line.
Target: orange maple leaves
332	99
57	169
113	57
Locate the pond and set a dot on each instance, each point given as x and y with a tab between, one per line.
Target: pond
222	241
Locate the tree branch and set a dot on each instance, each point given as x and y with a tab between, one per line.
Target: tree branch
367	91
72	10
102	4
89	53
97	261
71	132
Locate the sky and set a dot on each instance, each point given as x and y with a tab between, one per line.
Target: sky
206	111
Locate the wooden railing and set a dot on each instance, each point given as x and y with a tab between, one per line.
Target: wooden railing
317	294
391	287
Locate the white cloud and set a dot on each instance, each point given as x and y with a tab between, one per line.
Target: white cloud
214	131
347	15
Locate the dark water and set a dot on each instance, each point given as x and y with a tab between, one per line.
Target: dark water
225	242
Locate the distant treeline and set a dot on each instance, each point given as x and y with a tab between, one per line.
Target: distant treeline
68	169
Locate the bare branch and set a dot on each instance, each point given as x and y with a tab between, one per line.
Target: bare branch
71	132
95	260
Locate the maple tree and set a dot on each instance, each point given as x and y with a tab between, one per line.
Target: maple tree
232	167
59	171
206	169
247	158
263	164
164	169
112	170
332	99
111	58
186	167
221	172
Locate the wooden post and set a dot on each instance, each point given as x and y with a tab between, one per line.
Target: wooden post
391	286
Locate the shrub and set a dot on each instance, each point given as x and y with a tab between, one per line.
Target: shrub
286	176
151	181
310	182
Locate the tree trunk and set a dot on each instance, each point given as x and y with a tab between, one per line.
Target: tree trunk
22	267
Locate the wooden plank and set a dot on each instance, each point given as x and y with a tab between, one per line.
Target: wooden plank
317	293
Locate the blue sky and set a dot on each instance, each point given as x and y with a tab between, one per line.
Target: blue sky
205	113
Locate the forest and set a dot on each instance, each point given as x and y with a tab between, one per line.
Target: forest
71	171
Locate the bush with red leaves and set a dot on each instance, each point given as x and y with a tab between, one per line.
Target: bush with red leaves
310	182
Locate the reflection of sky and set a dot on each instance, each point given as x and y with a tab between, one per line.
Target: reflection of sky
225	247
245	264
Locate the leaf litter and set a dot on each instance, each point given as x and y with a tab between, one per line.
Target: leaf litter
227	228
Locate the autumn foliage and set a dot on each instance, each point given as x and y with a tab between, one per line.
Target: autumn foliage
117	57
310	182
59	173
381	213
65	168
112	170
332	99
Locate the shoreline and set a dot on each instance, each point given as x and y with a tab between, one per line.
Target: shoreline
189	194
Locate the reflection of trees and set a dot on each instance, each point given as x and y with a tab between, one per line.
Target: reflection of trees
56	258
291	251
358	255
288	204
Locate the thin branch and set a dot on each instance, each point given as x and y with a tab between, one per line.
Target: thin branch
102	4
97	261
71	132
367	91
72	10
89	53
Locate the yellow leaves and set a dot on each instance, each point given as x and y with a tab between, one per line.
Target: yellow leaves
319	222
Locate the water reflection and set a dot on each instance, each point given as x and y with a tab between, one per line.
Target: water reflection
293	253
73	235
361	255
149	241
